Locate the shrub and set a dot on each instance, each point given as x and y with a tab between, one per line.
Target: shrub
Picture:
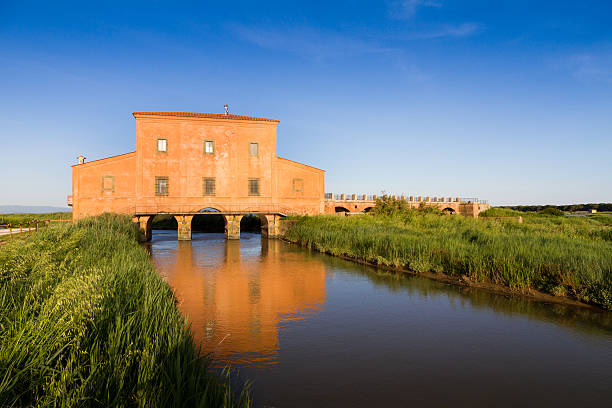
552	211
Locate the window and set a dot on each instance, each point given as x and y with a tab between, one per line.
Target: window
162	145
209	186
298	185
253	149
209	147
108	183
161	186
253	186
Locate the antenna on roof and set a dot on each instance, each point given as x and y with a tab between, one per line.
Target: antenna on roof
226	109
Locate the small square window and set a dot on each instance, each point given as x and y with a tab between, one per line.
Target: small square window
209	186
209	147
253	149
162	145
298	185
108	183
253	186
161	186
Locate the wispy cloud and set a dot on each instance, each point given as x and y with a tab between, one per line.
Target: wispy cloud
450	30
407	9
591	67
310	43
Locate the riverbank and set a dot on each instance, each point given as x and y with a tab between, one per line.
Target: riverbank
86	320
545	256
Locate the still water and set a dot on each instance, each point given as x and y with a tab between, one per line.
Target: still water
310	330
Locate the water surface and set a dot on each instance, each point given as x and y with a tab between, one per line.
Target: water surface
310	330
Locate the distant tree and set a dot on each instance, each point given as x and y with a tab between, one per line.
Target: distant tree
551	211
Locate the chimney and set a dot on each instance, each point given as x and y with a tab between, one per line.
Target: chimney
81	159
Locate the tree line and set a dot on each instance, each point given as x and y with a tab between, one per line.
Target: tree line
566	208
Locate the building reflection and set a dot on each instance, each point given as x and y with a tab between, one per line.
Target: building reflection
237	294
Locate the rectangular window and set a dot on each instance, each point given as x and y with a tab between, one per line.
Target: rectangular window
209	147
253	186
108	183
209	186
162	145
161	186
298	185
253	149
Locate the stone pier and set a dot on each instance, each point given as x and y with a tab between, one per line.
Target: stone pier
270	226
143	224
232	226
184	227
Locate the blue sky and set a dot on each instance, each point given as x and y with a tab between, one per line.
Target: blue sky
509	101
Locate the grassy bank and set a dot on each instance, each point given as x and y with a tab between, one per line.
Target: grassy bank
562	256
19	218
85	320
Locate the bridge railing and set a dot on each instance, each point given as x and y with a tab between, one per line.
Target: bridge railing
409	198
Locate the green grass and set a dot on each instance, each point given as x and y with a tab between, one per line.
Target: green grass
564	256
501	212
20	218
85	320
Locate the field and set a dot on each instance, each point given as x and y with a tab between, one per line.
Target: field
85	320
21	218
562	256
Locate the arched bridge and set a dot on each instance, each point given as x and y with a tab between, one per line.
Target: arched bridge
347	204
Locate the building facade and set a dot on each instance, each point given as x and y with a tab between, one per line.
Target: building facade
187	163
192	163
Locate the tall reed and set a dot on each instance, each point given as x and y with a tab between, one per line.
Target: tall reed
558	255
85	320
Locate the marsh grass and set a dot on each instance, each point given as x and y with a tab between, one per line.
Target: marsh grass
21	218
85	320
563	256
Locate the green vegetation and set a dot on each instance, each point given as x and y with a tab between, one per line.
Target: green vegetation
552	211
501	212
85	320
563	256
19	218
567	208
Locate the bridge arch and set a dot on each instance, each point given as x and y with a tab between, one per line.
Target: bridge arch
367	209
209	210
449	210
340	209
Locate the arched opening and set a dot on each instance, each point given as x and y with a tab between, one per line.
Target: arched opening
341	210
163	222
208	210
367	209
251	223
448	211
208	221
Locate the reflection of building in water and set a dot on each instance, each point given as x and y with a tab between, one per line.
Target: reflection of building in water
235	299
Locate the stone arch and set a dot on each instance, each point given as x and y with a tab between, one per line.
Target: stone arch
340	209
449	210
248	222
367	209
209	210
209	221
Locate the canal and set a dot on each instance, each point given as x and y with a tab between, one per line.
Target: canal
310	330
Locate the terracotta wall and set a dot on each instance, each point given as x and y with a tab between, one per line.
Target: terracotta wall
106	185
300	188
284	185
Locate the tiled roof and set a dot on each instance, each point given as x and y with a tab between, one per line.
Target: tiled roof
203	115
